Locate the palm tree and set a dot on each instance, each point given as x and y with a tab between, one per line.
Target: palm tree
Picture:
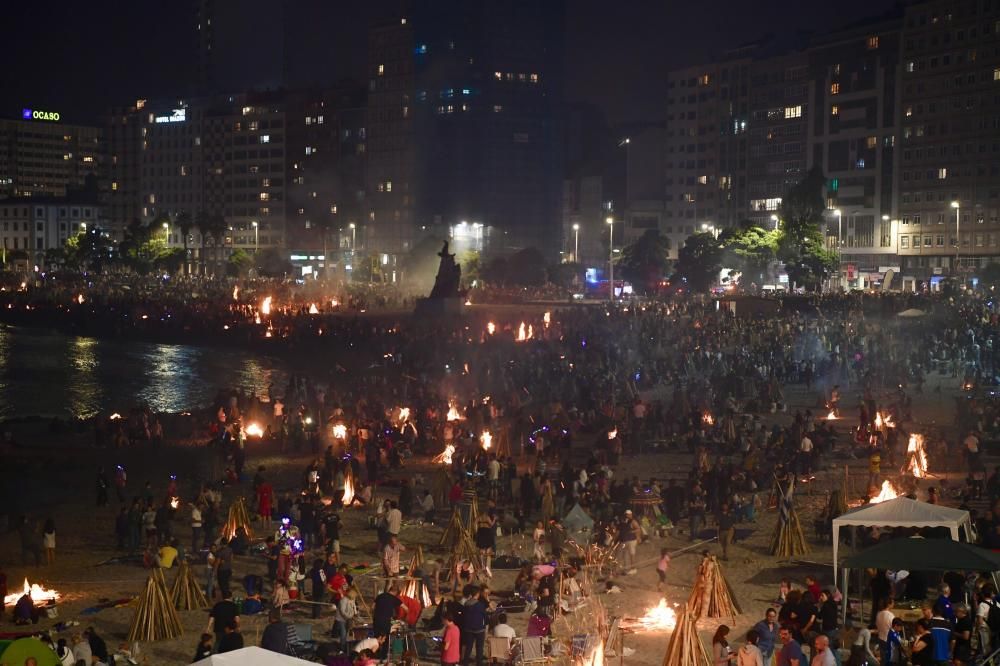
201	221
185	222
215	226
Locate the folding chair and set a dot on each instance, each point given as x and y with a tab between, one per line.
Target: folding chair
532	651
498	649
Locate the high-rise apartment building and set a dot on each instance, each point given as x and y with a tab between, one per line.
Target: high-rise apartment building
463	104
949	206
42	156
853	128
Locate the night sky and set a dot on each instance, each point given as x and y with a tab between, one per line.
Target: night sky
80	57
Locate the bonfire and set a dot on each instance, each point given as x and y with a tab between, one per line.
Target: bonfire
453	414
831	415
916	456
885	494
265	307
491	328
486	440
38	594
340	431
253	430
444	458
660	617
313	309
707	418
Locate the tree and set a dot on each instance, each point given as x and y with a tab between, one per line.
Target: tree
750	249
495	271
989	275
699	261
271	262
170	260
185	223
215	227
526	268
645	262
566	275
807	262
468	261
239	263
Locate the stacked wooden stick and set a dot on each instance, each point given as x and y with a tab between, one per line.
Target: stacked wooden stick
685	647
712	595
788	541
237	518
156	618
186	593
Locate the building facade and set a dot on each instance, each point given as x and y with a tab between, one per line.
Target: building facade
30	226
949	206
42	156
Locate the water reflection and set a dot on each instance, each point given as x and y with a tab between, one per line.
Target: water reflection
43	373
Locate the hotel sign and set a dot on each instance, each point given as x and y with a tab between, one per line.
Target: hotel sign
176	116
30	114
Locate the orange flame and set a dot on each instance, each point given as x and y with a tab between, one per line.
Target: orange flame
659	617
79	299
831	416
707	418
547	318
254	430
612	433
340	431
236	293
486	439
175	502
348	491
313	309
491	328
444	458
887	493
265	307
453	414
917	456
37	593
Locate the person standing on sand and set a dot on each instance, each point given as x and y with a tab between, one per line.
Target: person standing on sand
49	541
662	566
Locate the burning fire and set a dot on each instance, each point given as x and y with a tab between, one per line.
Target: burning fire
175	502
254	430
831	416
547	318
887	493
236	293
340	431
334	303
612	433
38	594
444	458
491	328
79	299
348	490
453	414
660	617
525	332
265	307
404	414
707	418
313	309
115	416
486	439
917	456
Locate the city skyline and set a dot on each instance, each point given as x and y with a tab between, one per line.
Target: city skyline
614	58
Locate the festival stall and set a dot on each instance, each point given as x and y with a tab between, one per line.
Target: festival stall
902	512
251	656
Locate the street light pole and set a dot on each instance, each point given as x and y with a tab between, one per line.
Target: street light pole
354	239
576	243
611	256
774	218
256	238
840	260
958	231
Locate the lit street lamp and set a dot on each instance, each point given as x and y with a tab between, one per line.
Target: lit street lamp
611	255
166	232
354	238
576	243
478	228
256	237
958	231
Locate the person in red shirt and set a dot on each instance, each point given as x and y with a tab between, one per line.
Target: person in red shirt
265	496
450	654
413	609
455	494
813	587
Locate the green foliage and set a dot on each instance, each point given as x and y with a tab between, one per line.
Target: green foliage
989	275
750	249
807	262
567	274
469	263
170	260
699	261
272	262
239	263
143	249
646	261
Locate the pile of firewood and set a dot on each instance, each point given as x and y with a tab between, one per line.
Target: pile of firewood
156	618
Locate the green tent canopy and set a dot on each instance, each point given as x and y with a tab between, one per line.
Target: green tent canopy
918	554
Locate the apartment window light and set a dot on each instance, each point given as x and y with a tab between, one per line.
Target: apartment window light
381	70
834	88
873	42
834	110
942	173
996	74
265	138
793	111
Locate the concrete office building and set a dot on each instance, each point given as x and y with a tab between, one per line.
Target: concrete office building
41	155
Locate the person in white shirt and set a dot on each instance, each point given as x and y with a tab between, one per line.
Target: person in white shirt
883	620
750	654
502	629
393	519
427	507
347	610
823	655
367	644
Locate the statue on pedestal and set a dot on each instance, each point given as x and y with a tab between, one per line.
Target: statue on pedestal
449	276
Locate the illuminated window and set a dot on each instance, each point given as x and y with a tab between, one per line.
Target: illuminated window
253	125
834	110
793	111
265	182
319	120
381	187
834	88
114	186
942	173
406	112
388	186
88	158
264	210
873	42
333	209
184	170
704	80
996	74
264	196
871	141
498	76
152	198
309	120
265	138
534	78
497	108
381	70
702	180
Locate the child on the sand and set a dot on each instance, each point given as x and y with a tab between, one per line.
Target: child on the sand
661	568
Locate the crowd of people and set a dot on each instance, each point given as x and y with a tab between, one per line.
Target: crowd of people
535	414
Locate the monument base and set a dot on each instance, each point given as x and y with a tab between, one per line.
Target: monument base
439	307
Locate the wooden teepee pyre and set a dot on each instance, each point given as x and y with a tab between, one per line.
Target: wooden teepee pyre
415	588
155	619
685	647
453	532
464	551
711	595
237	518
186	594
788	541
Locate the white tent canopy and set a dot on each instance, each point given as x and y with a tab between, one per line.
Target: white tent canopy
902	512
251	656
